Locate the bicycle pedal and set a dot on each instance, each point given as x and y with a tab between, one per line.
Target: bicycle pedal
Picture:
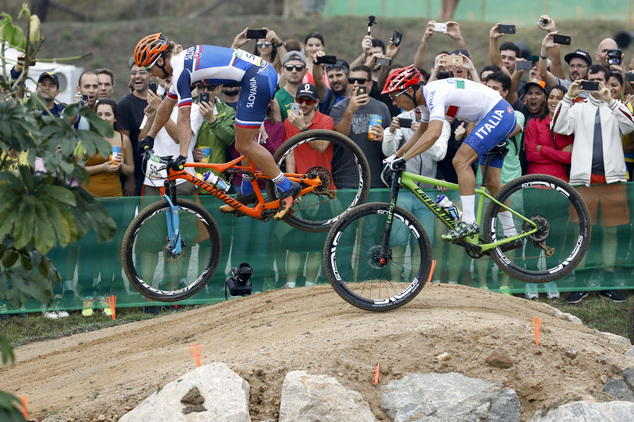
285	207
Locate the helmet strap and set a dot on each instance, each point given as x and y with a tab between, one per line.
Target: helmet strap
413	98
162	67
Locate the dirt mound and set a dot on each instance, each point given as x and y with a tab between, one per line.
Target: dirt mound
263	337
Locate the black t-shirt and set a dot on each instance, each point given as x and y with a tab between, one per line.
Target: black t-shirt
130	118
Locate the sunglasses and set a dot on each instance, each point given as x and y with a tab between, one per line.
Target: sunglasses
308	101
395	96
209	87
297	67
360	81
266	44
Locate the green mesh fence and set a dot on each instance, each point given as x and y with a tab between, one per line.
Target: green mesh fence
89	268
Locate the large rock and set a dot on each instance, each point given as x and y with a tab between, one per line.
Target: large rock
581	411
319	398
619	389
212	393
449	397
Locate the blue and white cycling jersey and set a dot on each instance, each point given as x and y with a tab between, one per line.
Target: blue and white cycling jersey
219	65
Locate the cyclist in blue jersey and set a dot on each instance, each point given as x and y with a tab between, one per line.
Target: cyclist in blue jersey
216	65
465	100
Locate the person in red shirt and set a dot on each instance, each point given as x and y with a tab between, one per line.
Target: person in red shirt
306	156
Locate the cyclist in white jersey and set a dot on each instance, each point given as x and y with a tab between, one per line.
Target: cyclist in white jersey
216	65
465	100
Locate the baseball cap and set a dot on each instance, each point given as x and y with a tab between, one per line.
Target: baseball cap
461	50
582	54
307	90
293	55
537	82
49	75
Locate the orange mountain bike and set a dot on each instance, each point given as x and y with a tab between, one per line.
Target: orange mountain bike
172	247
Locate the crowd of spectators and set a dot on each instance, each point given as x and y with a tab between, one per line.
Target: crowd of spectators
578	134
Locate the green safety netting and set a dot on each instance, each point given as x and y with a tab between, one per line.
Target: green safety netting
88	268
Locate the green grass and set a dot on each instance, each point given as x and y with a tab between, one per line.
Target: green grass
594	311
35	327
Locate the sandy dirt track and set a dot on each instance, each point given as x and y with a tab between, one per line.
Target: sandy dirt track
262	337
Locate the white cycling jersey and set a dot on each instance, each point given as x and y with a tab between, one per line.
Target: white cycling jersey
457	98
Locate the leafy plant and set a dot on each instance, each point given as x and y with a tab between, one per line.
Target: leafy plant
40	209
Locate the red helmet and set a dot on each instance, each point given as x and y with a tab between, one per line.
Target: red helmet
400	79
149	49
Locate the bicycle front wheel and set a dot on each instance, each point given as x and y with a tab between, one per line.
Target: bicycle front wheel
563	223
342	168
353	263
151	264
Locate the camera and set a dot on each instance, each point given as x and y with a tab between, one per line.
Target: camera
614	56
239	284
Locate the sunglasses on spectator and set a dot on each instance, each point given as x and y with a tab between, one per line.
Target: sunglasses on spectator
266	44
308	101
209	87
140	72
360	81
297	67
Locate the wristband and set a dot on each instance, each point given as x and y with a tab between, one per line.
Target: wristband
281	43
543	57
405	156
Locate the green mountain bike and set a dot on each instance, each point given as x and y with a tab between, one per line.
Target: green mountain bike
378	256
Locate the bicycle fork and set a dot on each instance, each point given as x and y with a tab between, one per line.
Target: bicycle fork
175	244
385	253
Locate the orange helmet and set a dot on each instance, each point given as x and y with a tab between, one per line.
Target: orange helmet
400	79
149	49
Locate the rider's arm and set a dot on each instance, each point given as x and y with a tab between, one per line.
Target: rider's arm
162	116
184	129
426	135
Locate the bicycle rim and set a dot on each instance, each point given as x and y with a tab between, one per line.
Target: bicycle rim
352	266
343	171
564	228
155	271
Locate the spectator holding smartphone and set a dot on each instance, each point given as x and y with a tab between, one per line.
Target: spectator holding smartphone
598	161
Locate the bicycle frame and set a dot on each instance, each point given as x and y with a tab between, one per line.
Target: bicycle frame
409	180
258	210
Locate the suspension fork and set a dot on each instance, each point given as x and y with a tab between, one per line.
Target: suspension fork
385	252
175	244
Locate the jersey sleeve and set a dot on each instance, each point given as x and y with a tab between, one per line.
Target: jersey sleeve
181	89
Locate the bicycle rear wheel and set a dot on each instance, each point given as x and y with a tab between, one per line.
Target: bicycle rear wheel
564	228
352	263
153	269
343	171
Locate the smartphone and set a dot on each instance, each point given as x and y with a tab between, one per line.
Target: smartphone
295	108
453	60
440	27
614	56
362	90
525	65
544	21
84	99
589	86
254	34
629	76
203	97
327	59
561	39
506	29
405	123
396	38
384	61
153	87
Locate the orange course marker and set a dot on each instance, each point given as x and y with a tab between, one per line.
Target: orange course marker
112	300
24	412
196	351
537	321
376	375
431	273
